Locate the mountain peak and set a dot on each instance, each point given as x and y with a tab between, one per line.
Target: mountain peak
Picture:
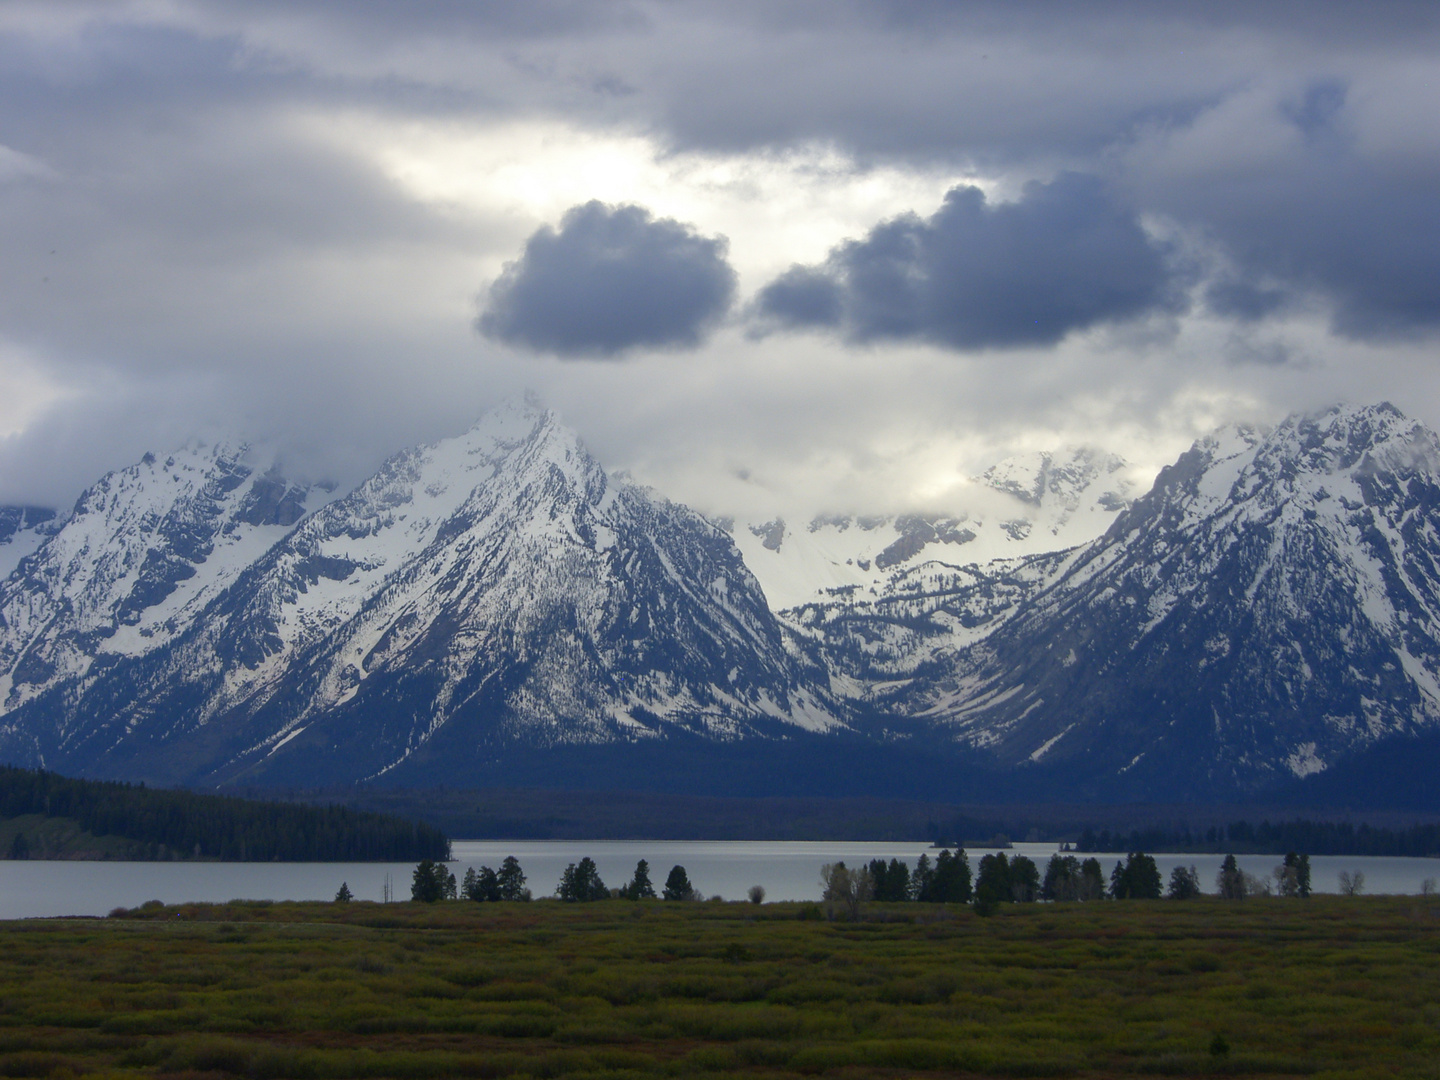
144	550
1271	605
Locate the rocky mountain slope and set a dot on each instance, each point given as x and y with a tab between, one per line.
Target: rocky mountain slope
491	590
1270	607
134	563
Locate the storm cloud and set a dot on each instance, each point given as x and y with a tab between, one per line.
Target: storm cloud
1312	193
978	274
611	278
272	218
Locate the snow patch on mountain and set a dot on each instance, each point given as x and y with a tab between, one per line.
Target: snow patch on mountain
1025	505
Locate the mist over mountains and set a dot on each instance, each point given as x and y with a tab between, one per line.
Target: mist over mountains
496	606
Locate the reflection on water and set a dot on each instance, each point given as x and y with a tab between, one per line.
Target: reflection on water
788	870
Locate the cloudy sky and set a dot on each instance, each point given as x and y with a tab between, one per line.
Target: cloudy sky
766	256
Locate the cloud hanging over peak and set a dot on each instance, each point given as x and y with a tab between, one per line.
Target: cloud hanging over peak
978	274
611	279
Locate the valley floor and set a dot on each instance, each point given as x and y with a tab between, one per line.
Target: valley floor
1338	987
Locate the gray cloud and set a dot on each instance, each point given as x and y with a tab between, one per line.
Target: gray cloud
976	274
191	243
611	278
1316	196
1244	301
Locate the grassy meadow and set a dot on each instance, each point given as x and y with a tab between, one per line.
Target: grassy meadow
1328	986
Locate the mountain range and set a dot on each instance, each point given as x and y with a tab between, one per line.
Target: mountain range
495	607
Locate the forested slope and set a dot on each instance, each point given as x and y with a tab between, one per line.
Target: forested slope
160	824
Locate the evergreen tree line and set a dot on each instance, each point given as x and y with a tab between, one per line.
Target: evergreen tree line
580	883
183	824
1314	837
947	880
1000	879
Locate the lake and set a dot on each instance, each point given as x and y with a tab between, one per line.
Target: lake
787	870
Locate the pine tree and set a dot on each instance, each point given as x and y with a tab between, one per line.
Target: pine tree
344	896
1230	880
511	880
639	887
1092	880
1137	878
677	885
1184	884
1062	879
992	886
431	882
580	883
922	881
1024	880
1292	877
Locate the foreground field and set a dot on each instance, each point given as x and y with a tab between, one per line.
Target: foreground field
1328	987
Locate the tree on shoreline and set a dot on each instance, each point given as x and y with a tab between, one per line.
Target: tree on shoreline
845	886
948	882
639	887
1292	877
511	880
677	885
1184	884
580	883
1137	878
1230	881
432	882
891	881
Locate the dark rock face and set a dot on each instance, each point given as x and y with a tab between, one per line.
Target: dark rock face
771	533
15	518
916	532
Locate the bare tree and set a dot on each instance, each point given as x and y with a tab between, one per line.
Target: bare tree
1352	884
845	886
1258	886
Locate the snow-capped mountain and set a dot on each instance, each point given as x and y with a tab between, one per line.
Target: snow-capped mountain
1271	606
1023	506
1269	609
134	563
491	590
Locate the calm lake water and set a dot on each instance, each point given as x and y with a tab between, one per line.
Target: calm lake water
787	870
